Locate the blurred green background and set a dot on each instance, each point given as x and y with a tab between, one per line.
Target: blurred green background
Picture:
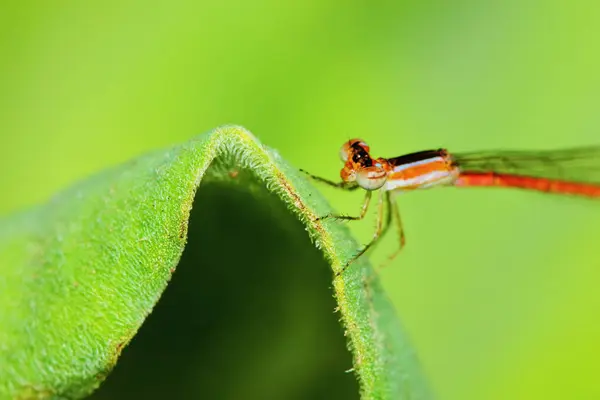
497	288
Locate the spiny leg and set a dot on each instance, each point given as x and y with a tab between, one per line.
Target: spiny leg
401	237
381	228
338	185
363	211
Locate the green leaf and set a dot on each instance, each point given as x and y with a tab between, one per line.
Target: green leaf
80	275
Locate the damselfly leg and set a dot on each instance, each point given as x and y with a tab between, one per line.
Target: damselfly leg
383	225
339	185
384	218
393	206
363	211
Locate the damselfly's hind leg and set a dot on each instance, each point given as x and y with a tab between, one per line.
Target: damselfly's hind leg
382	227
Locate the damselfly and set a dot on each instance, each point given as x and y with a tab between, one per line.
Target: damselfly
573	171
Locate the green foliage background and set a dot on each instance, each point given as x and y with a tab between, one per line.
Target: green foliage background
497	288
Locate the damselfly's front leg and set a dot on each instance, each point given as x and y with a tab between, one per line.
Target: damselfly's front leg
363	211
339	185
382	227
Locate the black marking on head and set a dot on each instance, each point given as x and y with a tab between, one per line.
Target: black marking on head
360	155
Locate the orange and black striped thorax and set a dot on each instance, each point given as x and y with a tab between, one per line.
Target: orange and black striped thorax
422	169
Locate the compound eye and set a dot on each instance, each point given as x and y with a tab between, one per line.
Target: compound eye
351	147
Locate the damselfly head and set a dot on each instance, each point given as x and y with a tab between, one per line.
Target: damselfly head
359	167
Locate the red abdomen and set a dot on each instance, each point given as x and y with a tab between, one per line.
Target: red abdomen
467	178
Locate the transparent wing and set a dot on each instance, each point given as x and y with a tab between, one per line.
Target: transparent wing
575	164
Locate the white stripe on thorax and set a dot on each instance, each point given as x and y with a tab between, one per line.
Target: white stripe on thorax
403	167
433	178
